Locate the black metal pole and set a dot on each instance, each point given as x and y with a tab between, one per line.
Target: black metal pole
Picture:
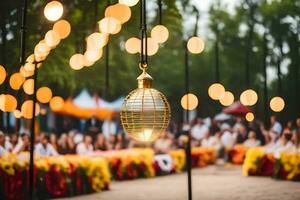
32	135
217	56
188	145
265	53
159	11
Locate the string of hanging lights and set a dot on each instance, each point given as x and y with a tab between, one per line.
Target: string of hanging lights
145	112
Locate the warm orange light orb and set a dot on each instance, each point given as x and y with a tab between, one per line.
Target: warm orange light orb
27	109
28	86
16	80
8	103
133	45
249	117
227	99
216	91
44	94
152	46
26	73
120	12
52	38
248	97
129	2
17	114
53	10
277	104
195	45
56	103
189	101
2	74
77	61
96	41
93	55
109	25
160	33
62	28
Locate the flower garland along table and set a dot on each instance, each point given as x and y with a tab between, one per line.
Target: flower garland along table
71	175
285	167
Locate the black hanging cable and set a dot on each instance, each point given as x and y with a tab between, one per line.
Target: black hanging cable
217	56
106	74
265	54
143	28
249	46
197	20
159	2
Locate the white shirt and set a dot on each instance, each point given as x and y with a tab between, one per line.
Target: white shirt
198	131
109	128
48	151
2	151
83	149
227	139
249	143
276	128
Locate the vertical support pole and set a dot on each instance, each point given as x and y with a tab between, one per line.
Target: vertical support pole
188	145
106	74
32	136
217	56
265	53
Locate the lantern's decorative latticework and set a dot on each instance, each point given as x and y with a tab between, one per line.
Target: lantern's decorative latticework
145	113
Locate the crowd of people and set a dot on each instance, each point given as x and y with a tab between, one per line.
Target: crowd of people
220	135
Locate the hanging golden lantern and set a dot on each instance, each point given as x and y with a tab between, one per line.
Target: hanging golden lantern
16	80
249	117
277	104
133	45
62	28
118	11
53	10
227	98
195	45
27	109
8	103
160	33
145	113
44	94
2	74
248	97
189	101
129	2
216	91
28	86
56	103
77	61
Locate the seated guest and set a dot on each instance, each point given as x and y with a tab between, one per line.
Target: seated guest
85	147
3	149
23	144
275	125
296	140
163	144
44	148
121	142
100	143
53	140
13	140
64	146
284	144
251	141
199	130
227	138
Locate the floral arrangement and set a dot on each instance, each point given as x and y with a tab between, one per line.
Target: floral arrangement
287	167
237	154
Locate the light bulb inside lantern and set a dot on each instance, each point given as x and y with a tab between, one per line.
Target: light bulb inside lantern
133	45
227	99
249	117
189	101
129	2
277	104
145	113
2	74
62	28
120	12
216	91
248	97
77	61
53	10
195	45
160	33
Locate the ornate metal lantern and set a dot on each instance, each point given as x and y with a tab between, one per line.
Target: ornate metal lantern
145	113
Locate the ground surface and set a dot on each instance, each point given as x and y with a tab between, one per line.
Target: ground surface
211	183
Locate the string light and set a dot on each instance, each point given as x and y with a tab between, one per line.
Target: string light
2	74
77	61
189	101
53	10
56	103
216	91
8	103
133	45
109	25
28	86
96	41
129	2
16	80
44	94
62	28
248	97
121	12
160	34
227	99
52	38
249	117
195	45
277	104
27	109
